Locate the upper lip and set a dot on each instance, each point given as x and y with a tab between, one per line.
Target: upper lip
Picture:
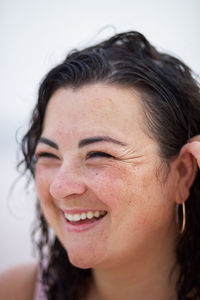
81	210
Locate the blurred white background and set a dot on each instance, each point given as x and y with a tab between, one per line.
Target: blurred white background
36	35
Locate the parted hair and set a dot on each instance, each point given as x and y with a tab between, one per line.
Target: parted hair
171	100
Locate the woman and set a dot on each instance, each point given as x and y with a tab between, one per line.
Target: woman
122	198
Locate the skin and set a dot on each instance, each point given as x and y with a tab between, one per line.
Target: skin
18	283
133	246
193	147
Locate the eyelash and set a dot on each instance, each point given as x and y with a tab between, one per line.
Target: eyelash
45	154
92	154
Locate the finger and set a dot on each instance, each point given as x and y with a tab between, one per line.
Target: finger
195	138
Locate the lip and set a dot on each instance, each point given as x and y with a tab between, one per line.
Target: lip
81	227
79	211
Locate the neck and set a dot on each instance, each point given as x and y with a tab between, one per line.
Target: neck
148	277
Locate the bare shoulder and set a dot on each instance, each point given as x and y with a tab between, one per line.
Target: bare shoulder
18	283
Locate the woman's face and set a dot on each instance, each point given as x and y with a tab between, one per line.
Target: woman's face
100	179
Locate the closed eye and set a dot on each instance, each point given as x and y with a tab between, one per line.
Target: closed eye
94	154
45	154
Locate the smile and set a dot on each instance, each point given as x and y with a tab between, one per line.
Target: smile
83	220
84	215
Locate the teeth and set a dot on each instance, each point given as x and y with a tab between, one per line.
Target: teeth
76	217
83	215
97	214
90	215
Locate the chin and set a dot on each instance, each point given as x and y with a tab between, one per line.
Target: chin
83	255
81	262
83	258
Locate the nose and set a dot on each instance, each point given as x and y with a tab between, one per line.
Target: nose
67	182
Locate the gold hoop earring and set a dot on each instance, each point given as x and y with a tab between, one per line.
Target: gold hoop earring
181	230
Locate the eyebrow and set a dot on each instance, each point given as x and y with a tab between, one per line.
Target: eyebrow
97	139
83	142
48	142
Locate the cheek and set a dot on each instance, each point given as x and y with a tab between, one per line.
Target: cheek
43	178
119	189
42	183
132	194
108	184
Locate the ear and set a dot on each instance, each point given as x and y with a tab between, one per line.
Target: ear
193	147
186	167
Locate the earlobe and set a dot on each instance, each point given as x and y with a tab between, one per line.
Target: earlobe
186	171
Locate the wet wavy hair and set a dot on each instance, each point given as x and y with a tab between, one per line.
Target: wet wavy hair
171	101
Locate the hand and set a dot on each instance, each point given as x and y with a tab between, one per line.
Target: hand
193	147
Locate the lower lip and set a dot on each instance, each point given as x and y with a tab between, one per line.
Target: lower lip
82	227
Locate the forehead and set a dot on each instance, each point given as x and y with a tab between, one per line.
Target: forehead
94	107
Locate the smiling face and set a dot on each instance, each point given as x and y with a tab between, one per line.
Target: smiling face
99	179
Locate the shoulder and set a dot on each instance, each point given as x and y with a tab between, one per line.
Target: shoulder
18	283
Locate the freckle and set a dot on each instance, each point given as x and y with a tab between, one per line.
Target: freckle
109	99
